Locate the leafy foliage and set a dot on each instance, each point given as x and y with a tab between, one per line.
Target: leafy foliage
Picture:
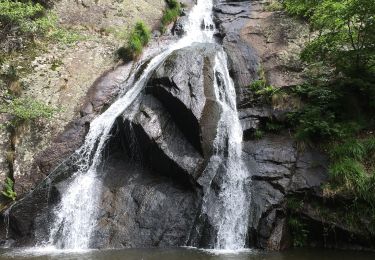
30	20
301	7
138	38
338	98
26	109
353	168
26	15
346	33
170	14
8	191
299	232
339	109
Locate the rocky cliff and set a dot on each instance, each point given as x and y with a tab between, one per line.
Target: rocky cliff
61	73
172	134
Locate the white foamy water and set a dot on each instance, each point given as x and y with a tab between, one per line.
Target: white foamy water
75	216
227	209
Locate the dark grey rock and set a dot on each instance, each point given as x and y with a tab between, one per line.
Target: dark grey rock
311	171
179	26
184	85
140	209
230	18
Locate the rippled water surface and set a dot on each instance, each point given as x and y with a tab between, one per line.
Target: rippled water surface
184	254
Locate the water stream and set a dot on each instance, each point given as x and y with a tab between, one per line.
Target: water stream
231	204
76	213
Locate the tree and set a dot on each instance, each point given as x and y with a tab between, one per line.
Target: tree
346	35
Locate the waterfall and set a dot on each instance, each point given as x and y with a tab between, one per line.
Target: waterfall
227	209
76	213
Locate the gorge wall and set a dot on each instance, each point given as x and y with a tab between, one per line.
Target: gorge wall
172	132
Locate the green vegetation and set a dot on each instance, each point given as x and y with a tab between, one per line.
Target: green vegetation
138	38
346	33
27	16
352	171
258	134
8	191
274	5
298	229
339	95
261	91
30	22
299	232
171	14
338	111
24	110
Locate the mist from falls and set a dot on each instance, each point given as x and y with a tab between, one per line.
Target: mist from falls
75	215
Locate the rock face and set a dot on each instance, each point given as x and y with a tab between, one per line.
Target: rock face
230	18
278	170
151	197
63	72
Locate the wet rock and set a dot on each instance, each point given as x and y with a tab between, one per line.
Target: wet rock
310	172
140	209
179	26
230	18
162	146
151	197
184	85
278	170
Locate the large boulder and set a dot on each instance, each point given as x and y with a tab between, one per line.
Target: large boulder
279	169
158	149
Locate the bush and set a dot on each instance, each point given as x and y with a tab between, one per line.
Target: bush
261	91
27	17
299	232
138	38
8	191
352	168
301	7
275	5
346	33
30	20
171	14
347	172
335	110
25	110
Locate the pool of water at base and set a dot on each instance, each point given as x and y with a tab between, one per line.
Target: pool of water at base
183	254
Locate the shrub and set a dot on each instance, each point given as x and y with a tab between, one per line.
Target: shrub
8	191
258	134
352	168
262	91
138	38
350	149
346	33
299	232
171	14
275	5
26	16
26	109
347	172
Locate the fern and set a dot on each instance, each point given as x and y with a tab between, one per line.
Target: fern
8	191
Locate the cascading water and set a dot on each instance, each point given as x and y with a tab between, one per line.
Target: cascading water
76	213
228	208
